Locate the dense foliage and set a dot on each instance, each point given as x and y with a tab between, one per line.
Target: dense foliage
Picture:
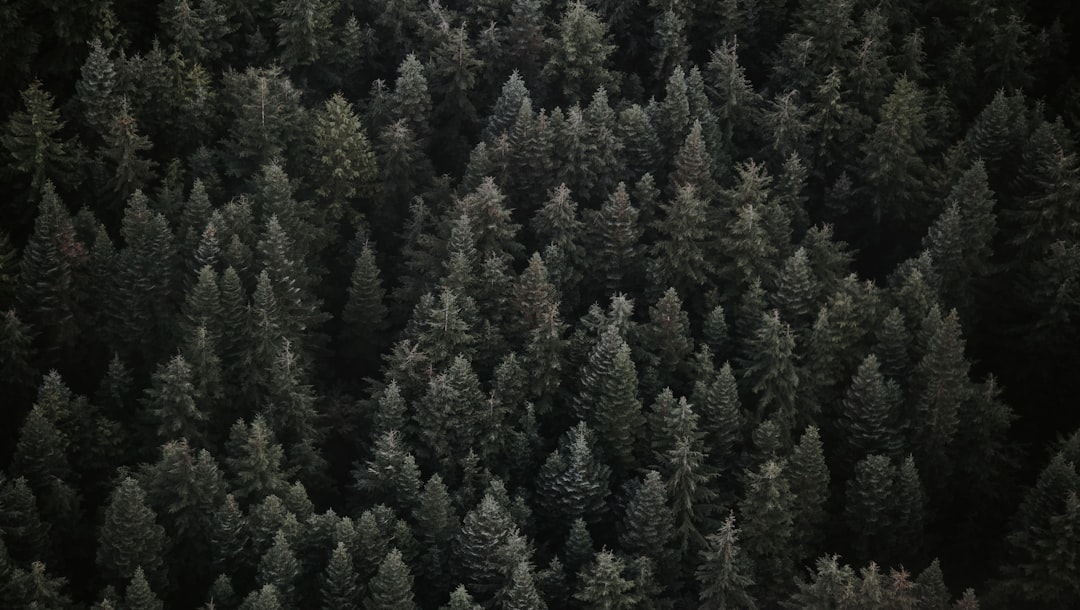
535	304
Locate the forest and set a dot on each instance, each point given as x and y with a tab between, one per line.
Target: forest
539	304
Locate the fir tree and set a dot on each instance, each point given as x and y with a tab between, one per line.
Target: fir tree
616	235
603	586
340	588
392	477
573	483
279	568
254	460
724	573
139	595
869	418
124	149
768	511
302	29
648	525
129	535
808	478
97	86
32	140
344	161
771	372
171	402
579	54
680	256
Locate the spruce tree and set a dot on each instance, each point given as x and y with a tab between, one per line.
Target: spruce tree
392	477
868	506
771	372
648	525
340	588
344	170
579	54
279	568
869	418
124	149
680	255
768	517
130	538
808	478
254	460
724	573
171	402
302	30
97	86
603	586
33	141
573	483
139	595
617	412
615	235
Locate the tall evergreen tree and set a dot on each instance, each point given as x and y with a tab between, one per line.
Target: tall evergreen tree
340	588
33	141
573	483
724	573
579	54
603	585
171	402
130	539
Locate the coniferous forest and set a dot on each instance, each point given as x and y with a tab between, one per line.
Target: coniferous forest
539	304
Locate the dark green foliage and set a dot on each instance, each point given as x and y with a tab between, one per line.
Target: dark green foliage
139	595
340	587
35	148
724	573
344	162
579	54
603	585
573	483
130	539
560	416
647	527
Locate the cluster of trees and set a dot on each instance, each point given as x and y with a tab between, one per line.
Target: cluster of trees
530	304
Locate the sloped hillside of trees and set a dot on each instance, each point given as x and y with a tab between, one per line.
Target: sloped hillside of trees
528	304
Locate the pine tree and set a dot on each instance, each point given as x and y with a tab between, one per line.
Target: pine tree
768	512
522	593
24	533
893	168
139	595
617	412
808	478
124	149
264	598
795	295
129	535
615	236
603	586
254	460
171	402
688	478
868	505
45	591
484	532
340	588
942	388
694	166
648	525
48	281
344	170
144	278
579	54
869	417
302	29
265	114
96	87
186	488
736	104
573	483
32	140
437	523
279	568
680	255
461	600
392	477
771	371
724	573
